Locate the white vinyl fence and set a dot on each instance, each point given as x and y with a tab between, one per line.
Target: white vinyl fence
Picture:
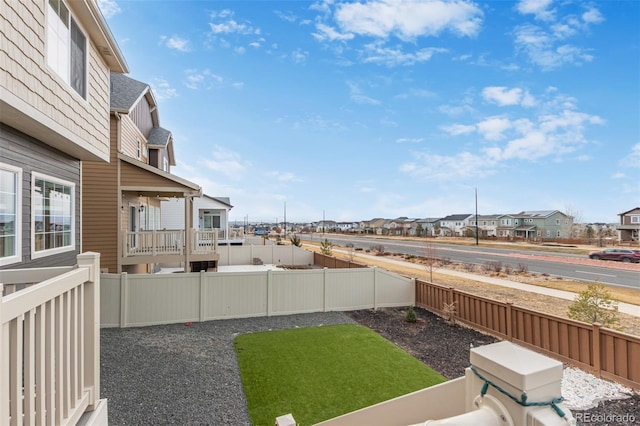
140	300
268	254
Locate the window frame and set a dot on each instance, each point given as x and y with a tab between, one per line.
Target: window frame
53	41
36	254
17	256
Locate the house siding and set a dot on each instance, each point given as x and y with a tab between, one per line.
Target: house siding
101	207
129	138
31	155
42	100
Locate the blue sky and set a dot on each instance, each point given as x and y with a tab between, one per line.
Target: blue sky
388	108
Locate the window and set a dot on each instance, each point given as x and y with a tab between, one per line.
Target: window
10	224
139	152
53	216
66	47
165	164
635	219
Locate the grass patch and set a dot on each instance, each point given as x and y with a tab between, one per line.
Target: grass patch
319	373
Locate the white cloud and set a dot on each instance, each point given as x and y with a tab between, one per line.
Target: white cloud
109	8
299	56
409	140
176	43
376	53
546	45
539	8
501	95
283	176
493	128
227	163
459	129
409	19
443	168
202	79
162	89
632	160
357	96
327	33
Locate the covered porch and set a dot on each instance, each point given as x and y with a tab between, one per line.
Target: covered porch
143	242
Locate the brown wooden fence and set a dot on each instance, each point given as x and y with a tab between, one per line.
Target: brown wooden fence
334	263
607	353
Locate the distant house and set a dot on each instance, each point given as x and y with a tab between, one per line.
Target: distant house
454	225
487	225
629	227
373	226
54	114
532	224
209	213
123	198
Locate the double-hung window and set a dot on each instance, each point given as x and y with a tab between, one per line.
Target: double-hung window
66	47
10	214
53	216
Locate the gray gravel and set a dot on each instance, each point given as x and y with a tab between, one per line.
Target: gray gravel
184	374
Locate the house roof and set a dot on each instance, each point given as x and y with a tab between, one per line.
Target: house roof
456	217
222	200
89	14
159	136
633	210
536	213
126	92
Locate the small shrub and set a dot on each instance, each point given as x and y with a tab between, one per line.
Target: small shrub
409	257
469	267
493	266
449	312
507	269
595	305
411	315
326	247
295	240
359	249
445	261
379	248
523	268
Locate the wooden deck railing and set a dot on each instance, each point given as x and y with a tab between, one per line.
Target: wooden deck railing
168	242
50	346
607	353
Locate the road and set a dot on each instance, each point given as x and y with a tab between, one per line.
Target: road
569	266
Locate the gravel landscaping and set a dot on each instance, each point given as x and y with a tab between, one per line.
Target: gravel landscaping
188	374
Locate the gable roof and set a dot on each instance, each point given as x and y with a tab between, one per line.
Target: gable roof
634	210
222	200
126	92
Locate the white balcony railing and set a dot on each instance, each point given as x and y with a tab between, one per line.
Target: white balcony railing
50	345
169	242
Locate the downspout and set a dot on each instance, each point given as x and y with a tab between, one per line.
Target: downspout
120	195
188	218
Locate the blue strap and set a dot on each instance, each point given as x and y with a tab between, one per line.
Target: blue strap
523	397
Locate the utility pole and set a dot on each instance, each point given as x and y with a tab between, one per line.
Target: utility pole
477	236
285	219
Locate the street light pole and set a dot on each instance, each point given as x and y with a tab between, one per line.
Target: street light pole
477	235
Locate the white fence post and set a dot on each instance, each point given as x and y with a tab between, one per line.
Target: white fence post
203	305
269	292
91	326
124	300
375	288
324	289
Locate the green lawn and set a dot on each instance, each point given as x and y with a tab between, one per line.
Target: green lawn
318	373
